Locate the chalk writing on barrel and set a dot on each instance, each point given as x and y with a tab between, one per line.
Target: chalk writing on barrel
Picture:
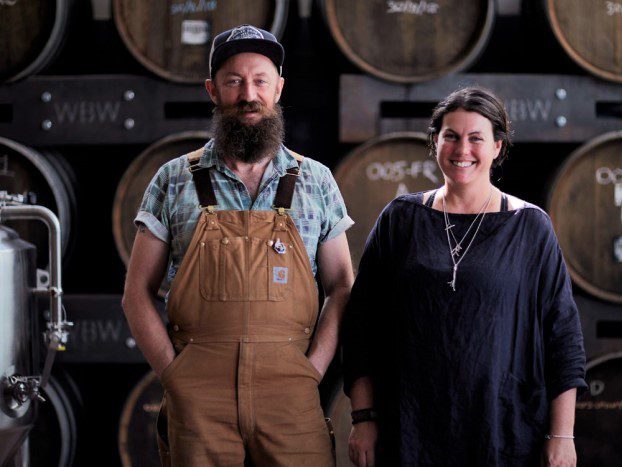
606	175
413	8
395	171
613	8
191	6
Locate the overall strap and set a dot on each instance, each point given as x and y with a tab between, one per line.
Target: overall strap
203	184
287	183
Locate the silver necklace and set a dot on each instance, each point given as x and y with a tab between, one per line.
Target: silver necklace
458	248
455	251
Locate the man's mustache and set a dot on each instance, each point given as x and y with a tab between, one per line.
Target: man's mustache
243	107
252	106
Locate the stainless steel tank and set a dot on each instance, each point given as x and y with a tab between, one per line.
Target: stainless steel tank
17	345
20	375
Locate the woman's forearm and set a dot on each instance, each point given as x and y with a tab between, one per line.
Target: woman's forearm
562	413
362	394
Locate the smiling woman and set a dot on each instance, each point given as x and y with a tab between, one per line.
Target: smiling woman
478	355
466	148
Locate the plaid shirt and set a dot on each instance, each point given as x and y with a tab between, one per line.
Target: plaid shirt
170	205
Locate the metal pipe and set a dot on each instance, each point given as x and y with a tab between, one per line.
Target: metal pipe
55	290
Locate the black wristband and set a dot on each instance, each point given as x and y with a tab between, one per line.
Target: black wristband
364	415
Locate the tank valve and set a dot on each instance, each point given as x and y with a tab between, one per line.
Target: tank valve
23	388
57	335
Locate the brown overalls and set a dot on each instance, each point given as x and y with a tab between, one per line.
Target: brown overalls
242	308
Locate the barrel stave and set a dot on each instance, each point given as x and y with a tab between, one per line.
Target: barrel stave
25	28
587	215
410	41
24	170
378	171
173	39
591	33
598	425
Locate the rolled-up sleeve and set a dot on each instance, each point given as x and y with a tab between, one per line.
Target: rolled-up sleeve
154	211
336	220
563	339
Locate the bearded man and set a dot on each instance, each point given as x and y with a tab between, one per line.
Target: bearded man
246	223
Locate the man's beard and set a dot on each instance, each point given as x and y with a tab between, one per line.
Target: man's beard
247	143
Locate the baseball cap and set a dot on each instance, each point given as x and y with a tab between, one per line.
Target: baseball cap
244	38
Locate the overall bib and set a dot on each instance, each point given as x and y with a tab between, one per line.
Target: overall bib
242	309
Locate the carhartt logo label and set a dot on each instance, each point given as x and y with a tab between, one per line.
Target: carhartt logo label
245	32
279	275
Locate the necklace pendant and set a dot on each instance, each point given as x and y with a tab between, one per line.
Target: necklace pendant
456	251
452	282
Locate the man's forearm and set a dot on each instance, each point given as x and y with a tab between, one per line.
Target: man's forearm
324	344
148	330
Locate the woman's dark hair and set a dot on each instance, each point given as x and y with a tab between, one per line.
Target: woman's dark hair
474	99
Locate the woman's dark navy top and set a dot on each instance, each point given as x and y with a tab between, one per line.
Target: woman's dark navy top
462	378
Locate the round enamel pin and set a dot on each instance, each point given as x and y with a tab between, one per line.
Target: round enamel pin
279	247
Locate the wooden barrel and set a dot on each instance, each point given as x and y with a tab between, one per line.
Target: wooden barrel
378	171
135	180
54	437
31	33
173	39
585	205
598	424
50	179
409	41
589	32
137	430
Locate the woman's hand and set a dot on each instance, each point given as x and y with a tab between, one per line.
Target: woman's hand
559	452
362	444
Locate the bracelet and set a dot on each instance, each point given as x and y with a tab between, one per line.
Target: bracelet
559	436
364	415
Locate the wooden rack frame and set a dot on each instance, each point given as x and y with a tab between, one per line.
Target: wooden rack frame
103	109
542	108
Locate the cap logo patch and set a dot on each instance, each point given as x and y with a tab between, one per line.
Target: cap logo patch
245	32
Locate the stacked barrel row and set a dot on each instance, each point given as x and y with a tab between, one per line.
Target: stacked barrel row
401	40
397	41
